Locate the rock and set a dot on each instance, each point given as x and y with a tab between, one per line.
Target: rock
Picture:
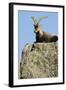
39	61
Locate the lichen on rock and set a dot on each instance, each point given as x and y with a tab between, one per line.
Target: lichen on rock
39	62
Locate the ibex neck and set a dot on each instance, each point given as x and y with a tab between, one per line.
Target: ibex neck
41	32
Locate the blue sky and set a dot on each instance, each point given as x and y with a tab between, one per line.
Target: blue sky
26	30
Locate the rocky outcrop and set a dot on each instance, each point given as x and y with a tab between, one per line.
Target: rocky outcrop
39	60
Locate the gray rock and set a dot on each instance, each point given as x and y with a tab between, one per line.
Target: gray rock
39	61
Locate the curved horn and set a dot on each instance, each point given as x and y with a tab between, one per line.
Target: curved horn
34	20
44	17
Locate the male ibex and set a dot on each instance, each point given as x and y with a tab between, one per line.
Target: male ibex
42	36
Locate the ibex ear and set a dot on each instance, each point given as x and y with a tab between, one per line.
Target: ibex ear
34	25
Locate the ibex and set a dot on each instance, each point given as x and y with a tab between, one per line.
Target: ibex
42	36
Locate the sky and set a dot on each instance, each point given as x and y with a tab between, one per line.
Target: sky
26	30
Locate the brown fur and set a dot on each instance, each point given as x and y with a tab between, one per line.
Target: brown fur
43	36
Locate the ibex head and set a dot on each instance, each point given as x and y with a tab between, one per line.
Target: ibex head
37	23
